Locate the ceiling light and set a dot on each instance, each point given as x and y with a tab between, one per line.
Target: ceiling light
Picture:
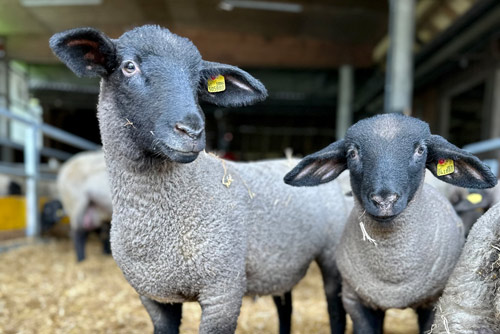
44	3
229	5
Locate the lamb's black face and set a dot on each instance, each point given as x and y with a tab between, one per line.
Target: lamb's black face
386	159
155	89
151	82
387	156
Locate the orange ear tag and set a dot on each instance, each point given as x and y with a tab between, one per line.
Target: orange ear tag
216	84
445	167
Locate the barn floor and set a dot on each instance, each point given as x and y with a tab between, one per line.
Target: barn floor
44	291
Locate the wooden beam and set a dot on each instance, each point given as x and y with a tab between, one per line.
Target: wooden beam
241	49
250	50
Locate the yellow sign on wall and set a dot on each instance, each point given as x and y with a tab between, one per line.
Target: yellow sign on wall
12	213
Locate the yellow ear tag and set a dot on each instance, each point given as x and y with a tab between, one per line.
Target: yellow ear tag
445	167
216	84
474	198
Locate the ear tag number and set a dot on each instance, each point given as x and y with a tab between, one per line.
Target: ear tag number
445	167
216	84
474	198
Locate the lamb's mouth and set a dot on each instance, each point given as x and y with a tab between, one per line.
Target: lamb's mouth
384	219
180	156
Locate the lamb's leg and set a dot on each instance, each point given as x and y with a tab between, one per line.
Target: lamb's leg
284	307
166	317
104	236
365	320
332	283
79	240
425	319
219	312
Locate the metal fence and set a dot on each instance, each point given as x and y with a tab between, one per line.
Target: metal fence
32	152
485	146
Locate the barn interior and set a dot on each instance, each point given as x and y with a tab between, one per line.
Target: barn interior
326	64
298	50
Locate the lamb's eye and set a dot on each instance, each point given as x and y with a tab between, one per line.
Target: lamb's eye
419	151
129	68
352	153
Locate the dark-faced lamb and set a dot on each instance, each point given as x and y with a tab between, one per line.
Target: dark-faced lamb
187	225
82	183
402	238
470	303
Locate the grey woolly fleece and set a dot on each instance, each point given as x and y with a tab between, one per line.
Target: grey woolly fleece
470	303
179	234
413	256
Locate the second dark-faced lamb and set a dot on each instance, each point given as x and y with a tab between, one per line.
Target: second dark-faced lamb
402	238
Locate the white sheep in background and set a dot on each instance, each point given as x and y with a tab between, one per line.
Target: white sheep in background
83	188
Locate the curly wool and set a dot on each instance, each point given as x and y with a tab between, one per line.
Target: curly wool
470	302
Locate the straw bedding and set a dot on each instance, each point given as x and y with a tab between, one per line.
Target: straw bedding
44	291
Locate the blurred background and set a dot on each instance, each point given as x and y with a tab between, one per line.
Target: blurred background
325	63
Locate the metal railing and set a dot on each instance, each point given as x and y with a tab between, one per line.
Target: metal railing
32	160
485	146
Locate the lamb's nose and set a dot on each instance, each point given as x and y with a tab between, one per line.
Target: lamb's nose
189	131
384	202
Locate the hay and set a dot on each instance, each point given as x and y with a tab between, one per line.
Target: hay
44	291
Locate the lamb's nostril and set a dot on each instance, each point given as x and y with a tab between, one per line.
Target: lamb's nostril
376	199
391	198
384	201
187	130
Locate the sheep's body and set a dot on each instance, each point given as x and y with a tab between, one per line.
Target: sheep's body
83	188
209	237
392	273
471	303
82	180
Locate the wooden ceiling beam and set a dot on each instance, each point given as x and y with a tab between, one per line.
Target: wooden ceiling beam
241	49
251	50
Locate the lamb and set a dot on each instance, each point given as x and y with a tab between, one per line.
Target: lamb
402	238
187	225
470	303
83	188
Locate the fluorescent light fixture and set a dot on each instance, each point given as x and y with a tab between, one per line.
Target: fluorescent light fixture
229	5
45	3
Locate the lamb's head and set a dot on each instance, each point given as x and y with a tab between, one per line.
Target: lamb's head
153	80
386	156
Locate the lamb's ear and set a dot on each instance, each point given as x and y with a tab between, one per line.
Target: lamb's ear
86	51
453	165
228	86
320	167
